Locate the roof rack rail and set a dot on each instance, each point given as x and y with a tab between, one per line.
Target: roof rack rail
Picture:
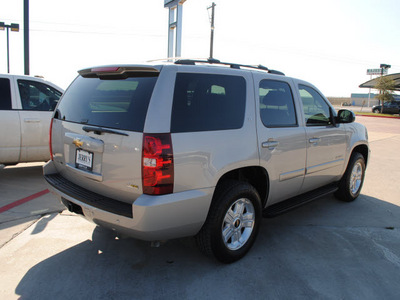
193	62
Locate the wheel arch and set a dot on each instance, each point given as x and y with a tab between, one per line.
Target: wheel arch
255	175
363	150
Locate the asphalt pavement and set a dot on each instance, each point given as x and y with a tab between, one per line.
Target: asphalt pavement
326	249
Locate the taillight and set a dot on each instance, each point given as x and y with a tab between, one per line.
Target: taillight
50	139
157	164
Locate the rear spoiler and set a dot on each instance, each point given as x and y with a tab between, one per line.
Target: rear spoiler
119	72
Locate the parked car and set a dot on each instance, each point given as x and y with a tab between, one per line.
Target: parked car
26	108
199	148
392	107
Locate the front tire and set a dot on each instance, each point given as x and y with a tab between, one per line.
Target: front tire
353	179
232	223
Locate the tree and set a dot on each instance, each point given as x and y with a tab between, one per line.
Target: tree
386	86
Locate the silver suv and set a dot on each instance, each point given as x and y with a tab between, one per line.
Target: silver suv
199	148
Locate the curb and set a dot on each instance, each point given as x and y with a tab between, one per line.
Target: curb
372	116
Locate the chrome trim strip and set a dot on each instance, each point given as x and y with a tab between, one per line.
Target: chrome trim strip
324	166
292	174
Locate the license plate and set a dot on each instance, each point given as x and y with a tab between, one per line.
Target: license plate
84	160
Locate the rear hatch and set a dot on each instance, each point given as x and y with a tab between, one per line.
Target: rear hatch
97	130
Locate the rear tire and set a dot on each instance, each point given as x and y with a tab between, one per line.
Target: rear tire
351	183
232	223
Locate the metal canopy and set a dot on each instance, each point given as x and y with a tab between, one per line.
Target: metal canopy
372	83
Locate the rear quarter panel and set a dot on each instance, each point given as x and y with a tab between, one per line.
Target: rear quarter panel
201	158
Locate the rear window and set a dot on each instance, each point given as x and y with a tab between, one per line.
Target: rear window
117	103
207	102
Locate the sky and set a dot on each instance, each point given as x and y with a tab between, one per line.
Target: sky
329	43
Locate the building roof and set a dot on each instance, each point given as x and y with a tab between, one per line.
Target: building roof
372	83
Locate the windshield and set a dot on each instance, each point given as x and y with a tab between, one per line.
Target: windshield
119	104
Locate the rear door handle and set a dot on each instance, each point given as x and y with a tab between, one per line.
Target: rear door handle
31	120
314	140
270	144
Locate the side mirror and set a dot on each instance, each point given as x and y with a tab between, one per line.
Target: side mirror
345	116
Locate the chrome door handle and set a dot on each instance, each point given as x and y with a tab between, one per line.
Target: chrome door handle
314	140
270	144
31	120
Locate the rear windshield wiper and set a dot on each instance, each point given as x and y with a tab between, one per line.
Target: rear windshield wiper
100	130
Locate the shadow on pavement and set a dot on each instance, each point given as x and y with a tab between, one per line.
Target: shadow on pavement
325	250
17	183
43	222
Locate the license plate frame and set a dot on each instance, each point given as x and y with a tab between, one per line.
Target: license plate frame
84	160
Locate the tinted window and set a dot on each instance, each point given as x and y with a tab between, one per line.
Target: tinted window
37	95
276	104
316	110
119	104
5	94
205	102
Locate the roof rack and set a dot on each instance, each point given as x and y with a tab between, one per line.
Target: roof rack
232	65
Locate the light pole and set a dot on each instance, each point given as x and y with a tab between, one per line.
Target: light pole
14	27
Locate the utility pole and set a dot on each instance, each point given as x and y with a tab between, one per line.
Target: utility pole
26	37
212	28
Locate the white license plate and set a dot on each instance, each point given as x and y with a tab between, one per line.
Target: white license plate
84	160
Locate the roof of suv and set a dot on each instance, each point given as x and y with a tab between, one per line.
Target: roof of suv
127	70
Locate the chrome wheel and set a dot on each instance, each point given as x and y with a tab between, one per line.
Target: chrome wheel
356	178
238	224
350	185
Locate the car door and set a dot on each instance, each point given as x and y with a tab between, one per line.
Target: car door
326	142
281	140
386	108
389	108
10	131
392	108
38	101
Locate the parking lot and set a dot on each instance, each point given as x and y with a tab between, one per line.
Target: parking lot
324	250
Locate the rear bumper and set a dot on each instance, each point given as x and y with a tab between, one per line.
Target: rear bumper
148	218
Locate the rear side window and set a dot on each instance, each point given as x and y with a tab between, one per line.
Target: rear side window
5	94
276	104
37	95
116	103
207	102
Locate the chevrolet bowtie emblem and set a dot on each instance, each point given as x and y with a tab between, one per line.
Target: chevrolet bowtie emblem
77	142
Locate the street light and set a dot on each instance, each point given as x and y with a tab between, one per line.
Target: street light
14	27
384	67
